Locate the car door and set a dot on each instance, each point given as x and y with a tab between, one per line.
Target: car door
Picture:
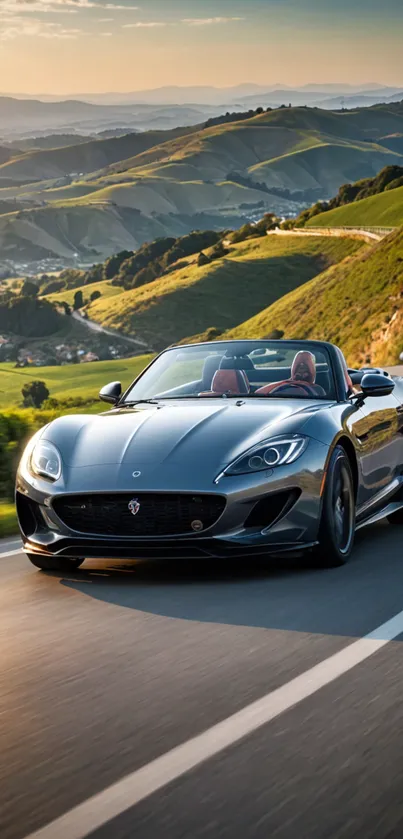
380	443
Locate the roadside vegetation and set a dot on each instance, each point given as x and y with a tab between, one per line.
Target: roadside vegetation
8	519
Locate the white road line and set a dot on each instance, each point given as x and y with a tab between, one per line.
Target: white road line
130	790
11	553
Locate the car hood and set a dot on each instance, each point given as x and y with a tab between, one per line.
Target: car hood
201	434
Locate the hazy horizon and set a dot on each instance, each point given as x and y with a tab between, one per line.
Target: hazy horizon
71	47
363	86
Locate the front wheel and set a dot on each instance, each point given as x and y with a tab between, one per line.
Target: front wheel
337	527
54	563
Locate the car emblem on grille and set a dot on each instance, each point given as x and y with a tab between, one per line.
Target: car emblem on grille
197	525
134	506
136	474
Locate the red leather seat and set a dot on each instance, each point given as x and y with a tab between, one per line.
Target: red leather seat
228	381
302	365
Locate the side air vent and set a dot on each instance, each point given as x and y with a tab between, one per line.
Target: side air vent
271	508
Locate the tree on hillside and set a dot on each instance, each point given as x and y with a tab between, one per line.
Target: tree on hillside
95	294
144	276
34	394
29	316
202	259
114	262
52	287
218	251
29	289
275	335
78	300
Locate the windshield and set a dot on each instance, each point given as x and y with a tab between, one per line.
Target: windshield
261	369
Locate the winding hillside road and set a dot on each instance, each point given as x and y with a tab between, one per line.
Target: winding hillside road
96	327
212	701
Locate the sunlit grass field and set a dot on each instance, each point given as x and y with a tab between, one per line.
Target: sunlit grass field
383	210
104	286
70	381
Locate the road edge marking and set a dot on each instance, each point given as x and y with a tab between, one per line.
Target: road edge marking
11	553
133	788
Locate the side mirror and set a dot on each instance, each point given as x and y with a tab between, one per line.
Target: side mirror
376	384
111	392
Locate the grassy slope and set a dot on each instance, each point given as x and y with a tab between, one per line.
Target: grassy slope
94	230
104	286
383	210
83	157
84	380
221	294
161	195
356	304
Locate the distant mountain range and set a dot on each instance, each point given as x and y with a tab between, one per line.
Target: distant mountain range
167	107
338	99
208	94
21	118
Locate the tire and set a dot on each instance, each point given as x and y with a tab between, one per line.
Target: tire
396	517
54	563
337	526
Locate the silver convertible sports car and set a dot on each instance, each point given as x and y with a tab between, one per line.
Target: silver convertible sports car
220	449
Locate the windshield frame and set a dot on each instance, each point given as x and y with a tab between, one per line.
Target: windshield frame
330	350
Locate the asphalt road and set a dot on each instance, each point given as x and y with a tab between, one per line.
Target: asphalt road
107	669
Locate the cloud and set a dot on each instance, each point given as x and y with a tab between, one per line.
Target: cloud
105	34
10	7
205	21
105	19
16	27
144	24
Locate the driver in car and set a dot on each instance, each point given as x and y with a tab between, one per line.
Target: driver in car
303	374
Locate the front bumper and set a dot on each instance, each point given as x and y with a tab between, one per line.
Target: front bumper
239	530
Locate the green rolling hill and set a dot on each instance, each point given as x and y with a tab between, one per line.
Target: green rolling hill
34	165
190	300
127	190
356	304
383	210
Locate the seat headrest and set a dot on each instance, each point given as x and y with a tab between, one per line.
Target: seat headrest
229	362
230	381
307	359
210	367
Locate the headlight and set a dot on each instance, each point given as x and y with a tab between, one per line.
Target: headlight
45	460
268	454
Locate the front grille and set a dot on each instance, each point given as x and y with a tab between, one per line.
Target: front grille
158	514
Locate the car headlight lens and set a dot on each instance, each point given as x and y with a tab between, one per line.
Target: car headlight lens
45	460
268	454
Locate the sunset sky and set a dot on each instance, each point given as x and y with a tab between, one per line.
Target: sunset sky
76	46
